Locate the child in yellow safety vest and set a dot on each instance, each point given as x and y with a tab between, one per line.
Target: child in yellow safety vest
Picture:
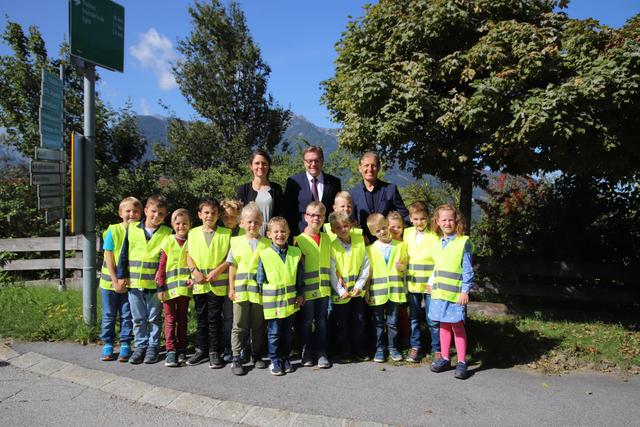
316	248
449	286
174	288
420	240
138	267
115	300
386	289
279	279
243	289
343	203
207	250
349	274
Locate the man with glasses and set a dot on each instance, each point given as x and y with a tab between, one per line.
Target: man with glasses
308	186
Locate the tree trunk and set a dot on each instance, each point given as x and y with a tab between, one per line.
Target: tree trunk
466	191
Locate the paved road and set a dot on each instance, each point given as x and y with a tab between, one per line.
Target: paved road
399	395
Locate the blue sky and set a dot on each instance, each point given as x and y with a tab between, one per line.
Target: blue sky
296	37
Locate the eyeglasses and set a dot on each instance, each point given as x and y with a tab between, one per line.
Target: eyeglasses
314	216
312	161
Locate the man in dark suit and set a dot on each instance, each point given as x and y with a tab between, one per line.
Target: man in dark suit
308	186
374	195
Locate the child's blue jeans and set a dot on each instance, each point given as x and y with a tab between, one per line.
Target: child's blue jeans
418	315
386	315
114	304
280	338
314	310
146	310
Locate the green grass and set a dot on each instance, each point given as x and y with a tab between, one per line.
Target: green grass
552	346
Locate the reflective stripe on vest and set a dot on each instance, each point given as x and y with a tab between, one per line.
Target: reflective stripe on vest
420	259
447	275
348	265
176	271
117	235
208	257
246	288
144	255
279	290
387	283
317	283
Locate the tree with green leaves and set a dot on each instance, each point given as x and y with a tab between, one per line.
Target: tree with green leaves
222	75
457	87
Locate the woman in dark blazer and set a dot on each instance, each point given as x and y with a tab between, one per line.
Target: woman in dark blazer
266	194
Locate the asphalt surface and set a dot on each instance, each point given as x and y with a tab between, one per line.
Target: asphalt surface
384	393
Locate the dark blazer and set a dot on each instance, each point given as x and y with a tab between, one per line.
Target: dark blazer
247	194
386	198
297	195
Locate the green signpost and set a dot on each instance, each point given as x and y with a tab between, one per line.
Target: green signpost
97	32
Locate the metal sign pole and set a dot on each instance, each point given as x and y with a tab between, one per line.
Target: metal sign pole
89	291
62	285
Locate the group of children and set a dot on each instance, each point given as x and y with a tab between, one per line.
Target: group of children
247	287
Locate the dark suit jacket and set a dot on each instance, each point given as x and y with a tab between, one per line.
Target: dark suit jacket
386	198
297	195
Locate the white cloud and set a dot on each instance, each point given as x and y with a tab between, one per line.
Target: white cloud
155	52
145	109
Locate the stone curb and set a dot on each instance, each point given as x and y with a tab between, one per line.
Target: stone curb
139	391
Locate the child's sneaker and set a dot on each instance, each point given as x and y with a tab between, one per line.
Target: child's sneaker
276	369
323	362
440	365
244	356
215	361
182	357
171	360
138	356
288	367
258	362
307	360
236	367
107	353
125	352
395	355
379	356
227	356
414	355
152	356
461	371
197	358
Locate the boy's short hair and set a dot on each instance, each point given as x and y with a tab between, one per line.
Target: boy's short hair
344	195
231	203
250	210
134	201
277	220
181	212
395	215
317	204
339	218
418	207
209	201
158	200
313	149
374	220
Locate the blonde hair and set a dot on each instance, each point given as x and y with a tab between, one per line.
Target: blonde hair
278	220
135	202
316	204
339	218
395	215
374	220
344	195
231	204
181	212
418	207
460	227
250	210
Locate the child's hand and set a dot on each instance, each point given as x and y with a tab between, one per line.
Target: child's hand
197	274
340	281
161	295
122	283
189	283
463	299
401	265
213	275
119	288
429	289
346	295
300	301
354	292
232	294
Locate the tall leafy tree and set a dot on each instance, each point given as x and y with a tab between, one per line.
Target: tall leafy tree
456	87
222	75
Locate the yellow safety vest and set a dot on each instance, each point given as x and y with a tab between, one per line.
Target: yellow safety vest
333	236
348	265
117	234
246	288
387	283
447	275
420	259
279	290
177	271
317	265
144	256
207	258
